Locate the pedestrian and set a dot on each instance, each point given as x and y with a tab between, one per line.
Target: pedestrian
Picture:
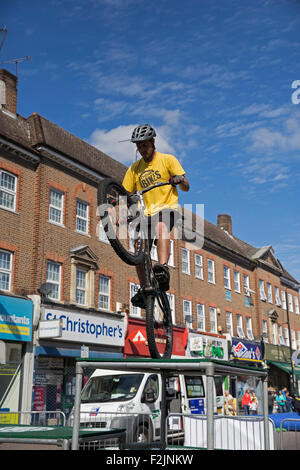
246	400
281	402
270	400
253	404
284	392
229	404
296	404
289	401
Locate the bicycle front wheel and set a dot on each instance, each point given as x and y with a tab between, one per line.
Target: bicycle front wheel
159	325
120	222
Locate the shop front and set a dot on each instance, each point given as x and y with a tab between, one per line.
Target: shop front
278	359
136	344
15	331
207	346
64	335
250	353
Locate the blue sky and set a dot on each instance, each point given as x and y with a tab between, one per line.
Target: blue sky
214	77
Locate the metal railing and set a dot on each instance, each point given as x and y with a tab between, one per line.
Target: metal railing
289	432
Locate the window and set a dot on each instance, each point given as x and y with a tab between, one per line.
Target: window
53	279
290	301
152	385
229	323
237	282
5	270
239	326
265	331
280	335
56	205
104	292
270	295
185	261
262	290
102	233
187	312
201	317
227	283
171	257
283	299
198	266
294	343
81	286
274	333
211	271
286	336
249	327
296	305
213	319
136	311
82	216
171	298
277	297
246	284
8	190
298	334
194	387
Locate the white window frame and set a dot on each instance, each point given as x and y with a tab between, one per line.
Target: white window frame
298	334
171	257
171	298
52	281
294	342
201	317
82	288
237	281
185	261
280	336
283	298
187	311
58	209
211	278
274	333
102	234
229	324
249	328
134	311
6	271
246	284
277	297
290	301
296	301
286	336
239	326
213	320
262	294
227	282
10	192
269	292
81	218
265	331
104	294
198	266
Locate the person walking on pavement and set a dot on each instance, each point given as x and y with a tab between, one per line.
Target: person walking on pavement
246	400
253	404
281	402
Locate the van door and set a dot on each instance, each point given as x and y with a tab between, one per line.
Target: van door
194	394
149	425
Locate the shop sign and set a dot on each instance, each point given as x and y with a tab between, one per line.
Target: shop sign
50	329
246	350
277	353
83	328
208	347
15	318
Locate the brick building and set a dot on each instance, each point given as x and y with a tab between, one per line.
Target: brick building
53	250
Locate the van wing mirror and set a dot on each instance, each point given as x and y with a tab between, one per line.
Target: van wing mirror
149	396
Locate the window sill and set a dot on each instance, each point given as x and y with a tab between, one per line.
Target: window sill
56	224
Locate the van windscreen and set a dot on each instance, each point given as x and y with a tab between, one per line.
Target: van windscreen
111	388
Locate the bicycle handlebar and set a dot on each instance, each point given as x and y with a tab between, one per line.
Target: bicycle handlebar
155	186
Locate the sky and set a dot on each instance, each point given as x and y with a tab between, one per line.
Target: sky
218	79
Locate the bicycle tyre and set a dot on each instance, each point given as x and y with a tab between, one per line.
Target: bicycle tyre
159	333
122	251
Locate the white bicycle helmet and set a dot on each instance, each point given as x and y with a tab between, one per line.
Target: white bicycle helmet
143	132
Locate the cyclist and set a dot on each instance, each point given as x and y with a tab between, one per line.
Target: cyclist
161	203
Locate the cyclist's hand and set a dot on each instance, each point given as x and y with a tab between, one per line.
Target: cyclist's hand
176	179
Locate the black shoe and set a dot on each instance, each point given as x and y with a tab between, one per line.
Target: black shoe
162	274
139	299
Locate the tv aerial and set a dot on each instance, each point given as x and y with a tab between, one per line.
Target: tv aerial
12	61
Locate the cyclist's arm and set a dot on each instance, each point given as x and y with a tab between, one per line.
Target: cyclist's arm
185	185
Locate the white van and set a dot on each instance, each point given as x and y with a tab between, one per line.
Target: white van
114	399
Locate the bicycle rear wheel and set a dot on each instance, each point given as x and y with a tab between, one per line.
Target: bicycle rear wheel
159	325
120	221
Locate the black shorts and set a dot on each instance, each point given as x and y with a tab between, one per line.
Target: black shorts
168	216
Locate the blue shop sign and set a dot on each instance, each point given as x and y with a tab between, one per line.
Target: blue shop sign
15	318
246	350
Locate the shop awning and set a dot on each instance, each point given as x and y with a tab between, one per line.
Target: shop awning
286	367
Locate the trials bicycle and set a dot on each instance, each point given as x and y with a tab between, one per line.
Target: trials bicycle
126	226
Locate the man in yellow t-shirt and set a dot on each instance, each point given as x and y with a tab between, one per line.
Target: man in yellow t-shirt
161	203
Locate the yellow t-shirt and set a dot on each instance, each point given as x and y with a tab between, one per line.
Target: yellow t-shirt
141	174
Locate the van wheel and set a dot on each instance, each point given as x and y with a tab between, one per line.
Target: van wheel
143	433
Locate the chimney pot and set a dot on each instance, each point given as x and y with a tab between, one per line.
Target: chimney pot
225	223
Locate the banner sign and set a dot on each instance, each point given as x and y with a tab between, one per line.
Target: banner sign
15	318
246	350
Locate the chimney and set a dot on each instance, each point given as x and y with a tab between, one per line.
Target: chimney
225	223
8	91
